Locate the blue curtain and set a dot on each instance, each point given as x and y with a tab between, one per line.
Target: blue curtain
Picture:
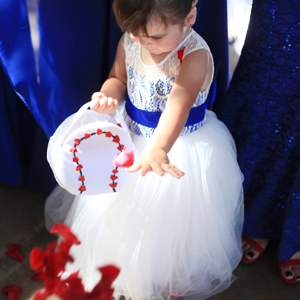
78	40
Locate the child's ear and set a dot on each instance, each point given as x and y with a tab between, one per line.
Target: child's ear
191	17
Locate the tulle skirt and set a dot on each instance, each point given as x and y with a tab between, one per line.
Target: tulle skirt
169	237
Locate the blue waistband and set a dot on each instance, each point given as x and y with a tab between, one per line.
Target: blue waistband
150	119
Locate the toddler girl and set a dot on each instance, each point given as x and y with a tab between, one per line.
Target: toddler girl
173	234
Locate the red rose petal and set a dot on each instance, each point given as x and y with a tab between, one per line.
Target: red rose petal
113	185
79	167
13	247
109	273
113	177
82	188
73	289
36	277
75	159
119	125
15	253
87	135
108	134
65	231
180	54
81	178
53	264
69	240
116	139
73	149
121	147
77	141
99	131
115	171
13	291
103	288
51	246
125	159
37	257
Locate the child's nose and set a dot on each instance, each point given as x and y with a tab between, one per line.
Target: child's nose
144	42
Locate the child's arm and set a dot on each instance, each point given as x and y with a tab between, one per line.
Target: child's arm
189	82
113	90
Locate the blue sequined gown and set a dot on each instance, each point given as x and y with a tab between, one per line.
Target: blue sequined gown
262	111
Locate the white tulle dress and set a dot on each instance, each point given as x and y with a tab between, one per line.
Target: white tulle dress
171	238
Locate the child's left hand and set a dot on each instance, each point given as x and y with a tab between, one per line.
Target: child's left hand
156	160
103	104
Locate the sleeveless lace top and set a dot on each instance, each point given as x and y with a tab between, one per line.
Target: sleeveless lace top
148	87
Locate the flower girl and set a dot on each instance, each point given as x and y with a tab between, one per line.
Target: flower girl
174	228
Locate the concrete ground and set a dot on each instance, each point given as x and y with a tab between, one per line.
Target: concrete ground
22	222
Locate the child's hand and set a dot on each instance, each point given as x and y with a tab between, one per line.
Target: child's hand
103	104
155	160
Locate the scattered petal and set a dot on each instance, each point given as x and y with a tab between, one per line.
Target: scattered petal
13	247
37	257
13	292
103	288
51	263
15	253
36	276
124	159
51	246
70	239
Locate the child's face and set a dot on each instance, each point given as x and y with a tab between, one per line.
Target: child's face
161	39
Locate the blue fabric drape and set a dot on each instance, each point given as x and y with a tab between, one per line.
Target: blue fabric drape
78	41
23	143
211	24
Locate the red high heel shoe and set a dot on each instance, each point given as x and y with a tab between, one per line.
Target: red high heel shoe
254	245
288	262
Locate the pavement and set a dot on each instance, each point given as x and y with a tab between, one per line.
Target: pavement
22	222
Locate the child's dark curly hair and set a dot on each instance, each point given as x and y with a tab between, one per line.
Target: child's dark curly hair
133	15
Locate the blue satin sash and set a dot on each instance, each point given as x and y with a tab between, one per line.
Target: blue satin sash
150	118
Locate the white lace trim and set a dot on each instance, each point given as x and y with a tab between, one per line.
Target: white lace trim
148	87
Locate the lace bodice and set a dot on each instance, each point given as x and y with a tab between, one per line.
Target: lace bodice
148	87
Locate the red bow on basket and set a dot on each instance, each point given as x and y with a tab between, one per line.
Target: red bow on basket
50	264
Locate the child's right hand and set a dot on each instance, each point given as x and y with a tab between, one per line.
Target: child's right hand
103	104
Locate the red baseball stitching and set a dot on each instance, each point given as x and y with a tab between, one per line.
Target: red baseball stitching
113	177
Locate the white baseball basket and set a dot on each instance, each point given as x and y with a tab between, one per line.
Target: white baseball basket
82	149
